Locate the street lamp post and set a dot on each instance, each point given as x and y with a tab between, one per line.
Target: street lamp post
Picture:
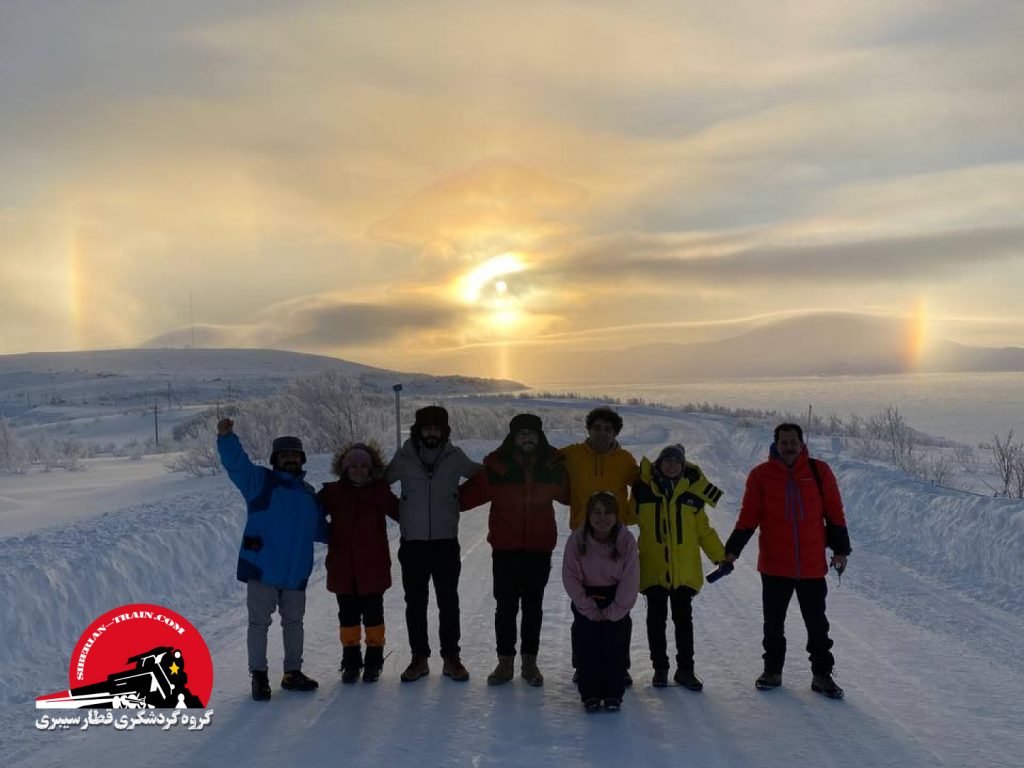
398	416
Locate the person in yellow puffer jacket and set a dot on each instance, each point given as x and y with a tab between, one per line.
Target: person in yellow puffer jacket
669	499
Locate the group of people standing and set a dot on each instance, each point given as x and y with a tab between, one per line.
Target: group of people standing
793	499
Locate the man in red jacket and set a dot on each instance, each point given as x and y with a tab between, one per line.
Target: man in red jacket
795	501
520	480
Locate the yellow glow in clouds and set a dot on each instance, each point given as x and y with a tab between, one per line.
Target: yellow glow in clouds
471	285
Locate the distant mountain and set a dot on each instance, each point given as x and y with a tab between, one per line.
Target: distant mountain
825	344
126	377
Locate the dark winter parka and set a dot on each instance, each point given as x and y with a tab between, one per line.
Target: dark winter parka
521	492
786	504
284	519
358	556
429	504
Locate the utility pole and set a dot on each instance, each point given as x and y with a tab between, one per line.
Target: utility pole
156	422
191	322
168	395
398	416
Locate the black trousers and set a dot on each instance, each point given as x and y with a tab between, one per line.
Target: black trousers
519	580
422	562
601	654
354	610
776	592
658	601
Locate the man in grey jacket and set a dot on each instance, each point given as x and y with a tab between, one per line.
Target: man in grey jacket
429	468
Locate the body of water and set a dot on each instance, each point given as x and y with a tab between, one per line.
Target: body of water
968	407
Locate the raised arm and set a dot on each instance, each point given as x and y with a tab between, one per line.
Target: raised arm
246	476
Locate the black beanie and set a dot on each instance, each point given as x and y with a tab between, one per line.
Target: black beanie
286	443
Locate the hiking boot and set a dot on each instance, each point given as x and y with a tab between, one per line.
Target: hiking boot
529	671
768	680
351	664
592	705
660	679
454	669
826	686
627	679
294	680
504	672
613	705
373	664
688	680
417	668
260	686
350	674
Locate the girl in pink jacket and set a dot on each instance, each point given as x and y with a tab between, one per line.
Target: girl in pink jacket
601	573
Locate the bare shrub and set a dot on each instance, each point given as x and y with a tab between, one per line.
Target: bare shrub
71	453
1005	453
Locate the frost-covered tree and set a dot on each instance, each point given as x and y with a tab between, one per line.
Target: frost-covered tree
8	447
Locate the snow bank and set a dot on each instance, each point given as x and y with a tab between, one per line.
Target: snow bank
180	551
973	544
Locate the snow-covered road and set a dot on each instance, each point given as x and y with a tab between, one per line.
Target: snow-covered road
933	676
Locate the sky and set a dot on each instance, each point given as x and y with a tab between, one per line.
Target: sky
456	186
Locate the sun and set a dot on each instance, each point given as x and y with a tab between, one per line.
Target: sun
487	286
472	287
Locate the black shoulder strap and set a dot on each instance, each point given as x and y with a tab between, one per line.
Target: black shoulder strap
817	478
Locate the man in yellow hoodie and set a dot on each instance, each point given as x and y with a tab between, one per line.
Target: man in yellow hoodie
599	463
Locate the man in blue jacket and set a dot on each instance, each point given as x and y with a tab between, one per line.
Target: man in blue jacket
276	557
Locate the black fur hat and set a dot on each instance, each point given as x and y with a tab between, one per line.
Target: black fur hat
431	416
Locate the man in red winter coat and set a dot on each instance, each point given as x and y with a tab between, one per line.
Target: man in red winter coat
795	501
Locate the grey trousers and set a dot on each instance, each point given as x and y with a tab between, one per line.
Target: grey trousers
261	600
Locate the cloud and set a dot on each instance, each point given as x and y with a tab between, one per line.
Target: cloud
325	322
495	198
918	258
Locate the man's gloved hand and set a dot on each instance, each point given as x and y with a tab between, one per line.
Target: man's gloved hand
839	563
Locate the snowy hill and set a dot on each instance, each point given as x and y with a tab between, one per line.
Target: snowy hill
927	624
98	394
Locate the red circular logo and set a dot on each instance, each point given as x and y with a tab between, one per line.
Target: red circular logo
135	656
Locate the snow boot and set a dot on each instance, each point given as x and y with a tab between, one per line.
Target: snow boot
294	680
768	680
529	671
351	663
685	677
592	705
826	686
373	663
417	668
260	686
454	669
660	679
613	705
504	672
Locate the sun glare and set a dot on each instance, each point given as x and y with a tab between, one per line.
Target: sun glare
470	286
